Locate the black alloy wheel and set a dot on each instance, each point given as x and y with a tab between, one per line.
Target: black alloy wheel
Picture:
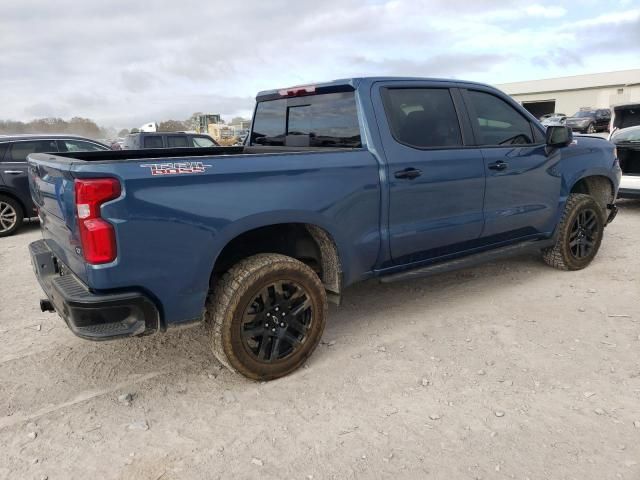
276	321
584	233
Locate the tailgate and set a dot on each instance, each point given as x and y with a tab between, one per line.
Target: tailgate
52	190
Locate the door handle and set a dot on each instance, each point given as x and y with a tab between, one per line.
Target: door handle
409	173
13	172
499	165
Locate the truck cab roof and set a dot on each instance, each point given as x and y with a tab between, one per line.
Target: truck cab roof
345	84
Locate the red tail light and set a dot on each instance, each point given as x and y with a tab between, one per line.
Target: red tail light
97	236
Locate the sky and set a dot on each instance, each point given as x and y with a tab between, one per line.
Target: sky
124	63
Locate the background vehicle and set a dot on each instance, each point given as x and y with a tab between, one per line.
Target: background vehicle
625	134
339	182
624	116
558	119
146	140
15	199
549	115
627	142
590	121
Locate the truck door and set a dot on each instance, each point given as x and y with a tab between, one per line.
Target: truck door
436	183
523	188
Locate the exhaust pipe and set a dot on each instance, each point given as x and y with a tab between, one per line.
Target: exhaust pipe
46	305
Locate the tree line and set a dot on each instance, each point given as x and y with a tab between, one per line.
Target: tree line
86	127
76	126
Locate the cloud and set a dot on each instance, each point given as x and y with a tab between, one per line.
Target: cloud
125	63
552	11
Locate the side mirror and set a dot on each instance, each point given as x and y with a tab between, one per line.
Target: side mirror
558	136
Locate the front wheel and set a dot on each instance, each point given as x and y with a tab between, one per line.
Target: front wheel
579	234
266	316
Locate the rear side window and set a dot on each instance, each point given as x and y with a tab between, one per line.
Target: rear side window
20	150
3	150
80	146
497	122
203	142
176	141
154	141
422	117
325	120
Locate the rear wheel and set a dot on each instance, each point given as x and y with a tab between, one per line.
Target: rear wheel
10	216
579	234
266	316
591	128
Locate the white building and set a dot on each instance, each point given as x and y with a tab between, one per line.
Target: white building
569	94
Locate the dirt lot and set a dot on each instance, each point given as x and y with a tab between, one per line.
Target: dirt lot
509	370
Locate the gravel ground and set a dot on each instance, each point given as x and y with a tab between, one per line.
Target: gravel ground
508	370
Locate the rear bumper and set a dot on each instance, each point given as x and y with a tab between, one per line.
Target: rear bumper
91	315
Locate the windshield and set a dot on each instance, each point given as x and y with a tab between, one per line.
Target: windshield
584	114
631	134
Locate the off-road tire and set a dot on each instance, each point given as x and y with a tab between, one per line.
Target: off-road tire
8	202
560	256
231	296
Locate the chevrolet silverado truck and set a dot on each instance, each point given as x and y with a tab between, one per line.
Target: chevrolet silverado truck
337	183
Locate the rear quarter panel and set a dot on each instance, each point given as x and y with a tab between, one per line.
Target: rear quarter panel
170	228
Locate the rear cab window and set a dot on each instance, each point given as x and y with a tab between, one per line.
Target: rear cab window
321	120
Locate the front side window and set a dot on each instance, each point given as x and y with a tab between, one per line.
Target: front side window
422	117
154	141
80	146
176	141
20	150
497	122
323	120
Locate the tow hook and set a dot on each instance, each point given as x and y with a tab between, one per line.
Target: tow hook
613	212
46	305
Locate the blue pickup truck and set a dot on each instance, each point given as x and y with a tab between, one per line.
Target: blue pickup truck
338	182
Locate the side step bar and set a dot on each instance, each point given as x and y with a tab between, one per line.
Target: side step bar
468	260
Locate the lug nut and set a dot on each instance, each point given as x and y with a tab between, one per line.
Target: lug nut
277	308
273	329
266	325
268	314
282	324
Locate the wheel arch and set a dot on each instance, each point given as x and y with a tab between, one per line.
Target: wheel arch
310	243
599	186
